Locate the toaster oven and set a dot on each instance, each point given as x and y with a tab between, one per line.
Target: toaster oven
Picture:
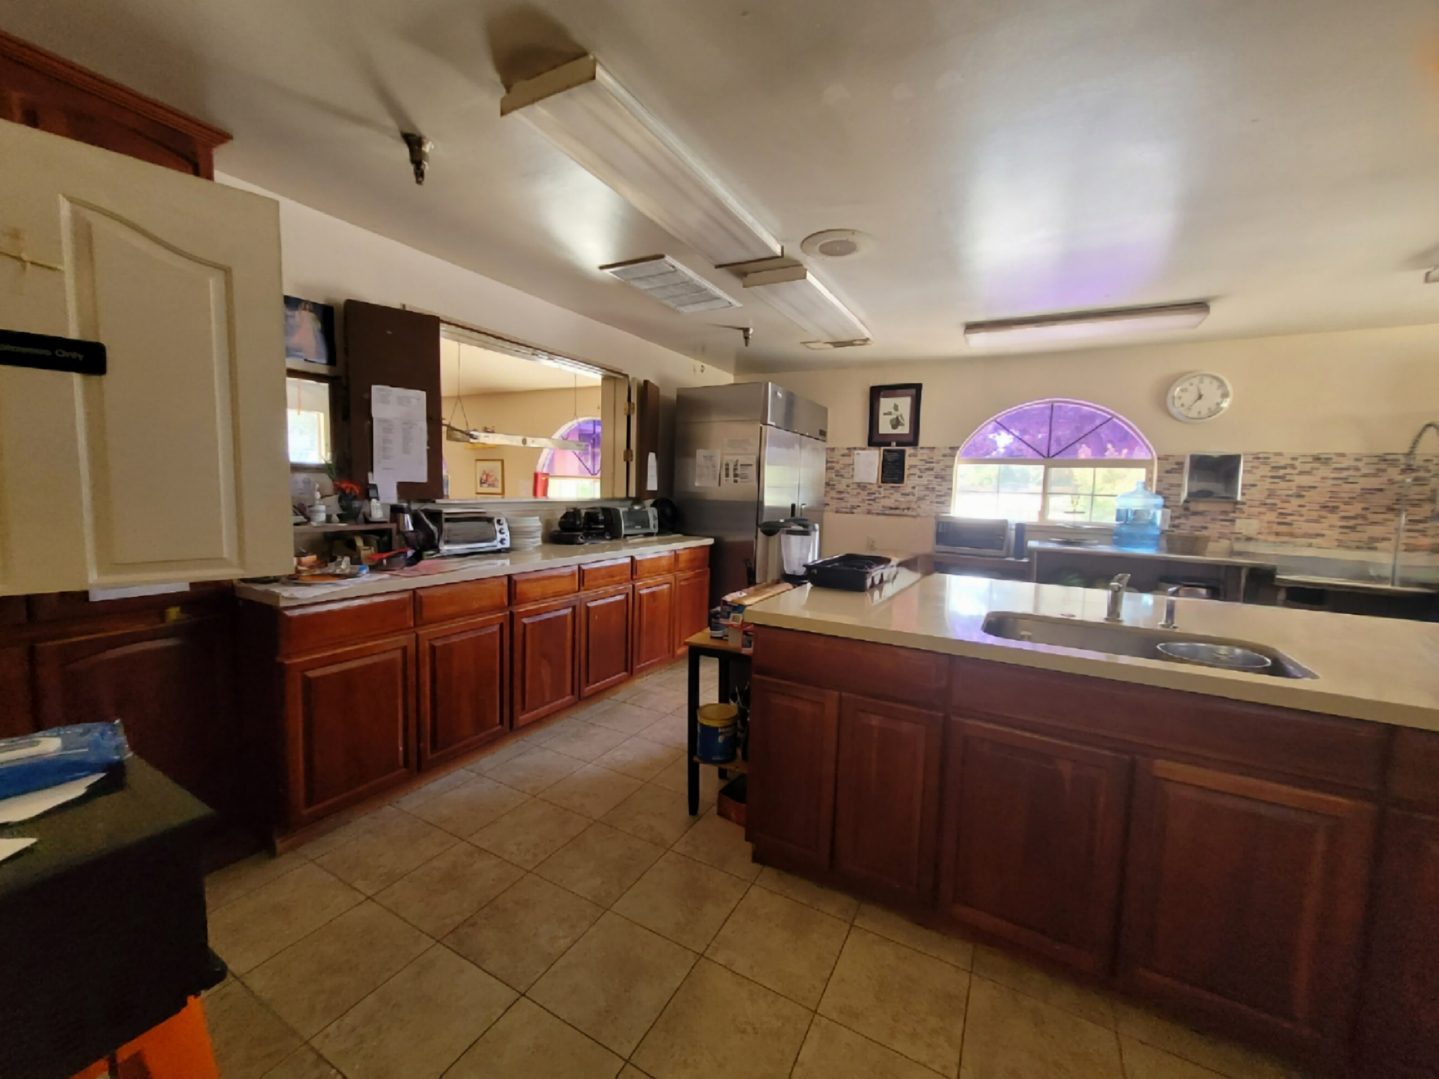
630	521
974	536
459	528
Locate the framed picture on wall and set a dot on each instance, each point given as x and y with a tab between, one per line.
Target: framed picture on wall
489	476
894	414
309	332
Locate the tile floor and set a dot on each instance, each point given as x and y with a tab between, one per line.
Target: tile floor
551	910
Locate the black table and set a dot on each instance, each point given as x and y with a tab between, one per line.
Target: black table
728	655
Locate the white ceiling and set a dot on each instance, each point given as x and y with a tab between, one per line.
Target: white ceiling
467	369
1007	157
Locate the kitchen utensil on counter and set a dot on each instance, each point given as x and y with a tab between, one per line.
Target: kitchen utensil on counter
852	572
1224	656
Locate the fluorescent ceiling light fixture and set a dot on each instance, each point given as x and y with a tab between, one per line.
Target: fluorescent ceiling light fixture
1084	325
822	346
663	279
797	294
581	109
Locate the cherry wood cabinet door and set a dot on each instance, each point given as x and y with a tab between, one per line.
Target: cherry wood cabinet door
17	717
349	725
654	621
1034	841
545	639
692	598
1245	899
794	736
1400	1018
604	640
886	802
464	669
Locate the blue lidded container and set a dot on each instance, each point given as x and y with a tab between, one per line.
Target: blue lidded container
1137	519
718	726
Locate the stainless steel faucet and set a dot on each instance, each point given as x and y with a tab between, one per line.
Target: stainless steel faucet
1169	605
1116	598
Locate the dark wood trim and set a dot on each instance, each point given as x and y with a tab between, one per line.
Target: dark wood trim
879	671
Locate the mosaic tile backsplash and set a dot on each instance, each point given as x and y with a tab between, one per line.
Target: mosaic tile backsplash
1340	500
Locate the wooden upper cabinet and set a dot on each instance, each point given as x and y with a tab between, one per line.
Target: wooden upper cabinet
692	595
887	796
654	623
545	639
463	686
172	466
45	91
1033	842
604	639
794	738
1245	900
16	715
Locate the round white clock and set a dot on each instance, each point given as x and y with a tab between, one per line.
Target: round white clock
1199	396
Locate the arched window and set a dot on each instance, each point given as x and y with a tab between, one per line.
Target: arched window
1055	460
571	475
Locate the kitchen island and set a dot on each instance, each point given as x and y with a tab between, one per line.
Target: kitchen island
1257	852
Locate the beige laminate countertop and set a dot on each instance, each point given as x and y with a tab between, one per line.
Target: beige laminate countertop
471	568
1379	669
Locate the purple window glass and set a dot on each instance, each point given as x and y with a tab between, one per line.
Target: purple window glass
1058	429
585	462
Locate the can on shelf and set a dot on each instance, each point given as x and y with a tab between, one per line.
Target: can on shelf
717	743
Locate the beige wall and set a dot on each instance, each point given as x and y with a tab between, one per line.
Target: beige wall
537	412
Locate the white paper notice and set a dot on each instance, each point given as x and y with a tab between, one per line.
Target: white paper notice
401	435
652	473
24	806
866	466
739	470
707	468
13	846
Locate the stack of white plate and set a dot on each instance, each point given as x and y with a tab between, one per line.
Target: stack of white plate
526	533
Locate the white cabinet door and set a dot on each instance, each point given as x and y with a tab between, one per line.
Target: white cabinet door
172	466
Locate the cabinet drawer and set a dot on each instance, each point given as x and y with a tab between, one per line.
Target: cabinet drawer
871	670
604	574
313	629
544	584
447	601
691	558
654	565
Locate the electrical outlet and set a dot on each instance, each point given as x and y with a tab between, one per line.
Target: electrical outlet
1247	527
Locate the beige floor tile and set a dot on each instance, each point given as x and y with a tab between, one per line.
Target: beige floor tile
418	1023
627	716
534	770
599	863
898	928
668	729
440	894
439	785
1146	1062
653	813
1008	1033
673	777
639	758
782	944
614	982
248	1038
246	932
523	930
303	1063
720	843
631	1072
833	903
344	826
684	900
906	1001
1062	992
245	876
314	982
719	1026
530	833
592	791
530	1043
380	855
586	741
510	748
833	1052
465	809
1217	1054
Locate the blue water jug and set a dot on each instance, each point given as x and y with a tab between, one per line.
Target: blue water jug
1136	519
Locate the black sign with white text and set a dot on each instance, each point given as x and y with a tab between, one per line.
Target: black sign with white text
46	353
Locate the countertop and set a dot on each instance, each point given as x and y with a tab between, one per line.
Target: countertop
1379	669
1050	547
287	593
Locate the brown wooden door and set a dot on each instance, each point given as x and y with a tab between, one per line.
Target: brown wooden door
692	597
794	736
349	724
1245	899
545	640
1400	1019
604	639
1034	840
654	623
463	678
886	801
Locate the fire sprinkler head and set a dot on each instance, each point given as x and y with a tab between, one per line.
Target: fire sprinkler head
420	148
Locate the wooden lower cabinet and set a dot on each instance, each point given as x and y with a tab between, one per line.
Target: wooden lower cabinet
17	717
1033	847
692	611
604	639
350	725
1245	901
887	797
544	679
463	686
794	741
654	623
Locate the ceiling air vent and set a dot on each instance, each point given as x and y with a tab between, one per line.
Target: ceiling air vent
663	279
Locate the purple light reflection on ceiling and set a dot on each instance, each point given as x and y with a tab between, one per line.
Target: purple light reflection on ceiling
1057	429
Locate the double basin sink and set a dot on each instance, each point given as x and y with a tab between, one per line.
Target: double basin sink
1117	639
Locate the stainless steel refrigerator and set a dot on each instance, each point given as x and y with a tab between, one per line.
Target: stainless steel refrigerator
745	453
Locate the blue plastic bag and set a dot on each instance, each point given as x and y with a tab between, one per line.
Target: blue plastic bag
51	757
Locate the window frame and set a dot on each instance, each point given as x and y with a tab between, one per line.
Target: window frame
547	456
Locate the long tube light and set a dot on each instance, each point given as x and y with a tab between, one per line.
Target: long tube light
800	296
1085	325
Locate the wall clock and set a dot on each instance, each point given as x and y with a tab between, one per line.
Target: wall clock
1199	396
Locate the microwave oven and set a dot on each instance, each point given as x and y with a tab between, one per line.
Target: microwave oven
991	537
459	528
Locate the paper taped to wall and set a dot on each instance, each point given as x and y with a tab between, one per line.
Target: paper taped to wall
707	468
400	433
866	466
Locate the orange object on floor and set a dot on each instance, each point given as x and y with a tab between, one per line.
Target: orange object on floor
178	1048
